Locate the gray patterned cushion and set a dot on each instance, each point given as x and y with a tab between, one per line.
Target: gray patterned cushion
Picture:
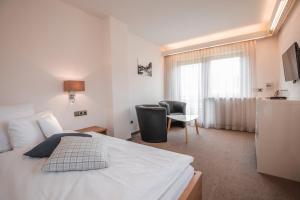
77	154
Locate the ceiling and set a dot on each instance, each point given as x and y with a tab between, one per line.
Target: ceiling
165	22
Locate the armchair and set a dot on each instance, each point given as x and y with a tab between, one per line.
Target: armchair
175	108
152	122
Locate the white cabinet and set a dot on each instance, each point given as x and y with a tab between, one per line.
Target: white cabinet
277	138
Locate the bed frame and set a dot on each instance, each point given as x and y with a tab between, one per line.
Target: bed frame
194	189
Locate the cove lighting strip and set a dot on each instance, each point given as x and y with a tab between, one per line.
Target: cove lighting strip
278	15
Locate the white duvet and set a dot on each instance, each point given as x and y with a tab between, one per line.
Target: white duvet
135	172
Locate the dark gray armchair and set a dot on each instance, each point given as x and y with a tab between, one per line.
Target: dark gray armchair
152	122
175	108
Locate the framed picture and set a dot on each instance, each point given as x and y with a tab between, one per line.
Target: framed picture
145	70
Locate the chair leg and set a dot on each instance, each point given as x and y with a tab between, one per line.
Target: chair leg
186	135
169	125
196	124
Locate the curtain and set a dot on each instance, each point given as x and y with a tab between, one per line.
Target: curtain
216	83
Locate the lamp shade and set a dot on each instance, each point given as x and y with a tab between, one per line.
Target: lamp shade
74	86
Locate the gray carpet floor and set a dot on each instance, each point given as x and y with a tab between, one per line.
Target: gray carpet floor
228	163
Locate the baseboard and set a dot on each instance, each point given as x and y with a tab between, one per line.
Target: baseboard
135	132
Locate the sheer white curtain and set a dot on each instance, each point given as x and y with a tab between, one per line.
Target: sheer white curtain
217	84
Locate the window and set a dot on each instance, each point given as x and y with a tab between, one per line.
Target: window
189	86
202	78
224	78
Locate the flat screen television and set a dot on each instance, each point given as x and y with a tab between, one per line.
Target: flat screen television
291	63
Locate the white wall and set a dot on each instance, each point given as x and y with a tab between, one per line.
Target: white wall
269	60
44	43
143	89
267	65
120	81
289	34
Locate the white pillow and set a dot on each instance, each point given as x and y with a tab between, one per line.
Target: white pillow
8	113
25	131
50	125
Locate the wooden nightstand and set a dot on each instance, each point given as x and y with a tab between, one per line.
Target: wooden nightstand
96	129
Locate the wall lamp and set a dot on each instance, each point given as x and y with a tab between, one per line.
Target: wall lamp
73	86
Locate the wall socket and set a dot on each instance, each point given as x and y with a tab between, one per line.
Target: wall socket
80	113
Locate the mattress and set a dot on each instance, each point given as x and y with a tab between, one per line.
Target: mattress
135	172
179	185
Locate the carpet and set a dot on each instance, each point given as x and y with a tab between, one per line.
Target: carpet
228	163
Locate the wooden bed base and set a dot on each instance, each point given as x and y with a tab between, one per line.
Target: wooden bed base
194	189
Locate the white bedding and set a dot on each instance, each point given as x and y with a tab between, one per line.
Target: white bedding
179	185
135	172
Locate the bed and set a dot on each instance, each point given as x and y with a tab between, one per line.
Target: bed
136	172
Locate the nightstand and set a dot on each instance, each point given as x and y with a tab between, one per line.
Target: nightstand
96	129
